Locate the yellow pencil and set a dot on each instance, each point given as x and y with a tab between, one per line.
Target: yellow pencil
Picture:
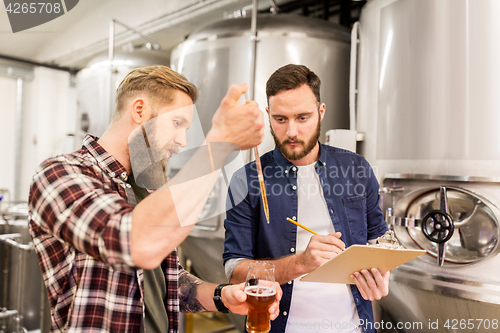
302	226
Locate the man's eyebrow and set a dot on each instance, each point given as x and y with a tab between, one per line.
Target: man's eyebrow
299	115
305	113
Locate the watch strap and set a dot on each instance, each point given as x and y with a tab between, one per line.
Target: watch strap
218	300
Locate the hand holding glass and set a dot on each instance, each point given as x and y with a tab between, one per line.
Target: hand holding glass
261	293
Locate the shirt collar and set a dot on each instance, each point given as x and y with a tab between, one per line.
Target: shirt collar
105	160
287	165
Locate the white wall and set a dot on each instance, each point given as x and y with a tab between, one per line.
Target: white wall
49	111
7	132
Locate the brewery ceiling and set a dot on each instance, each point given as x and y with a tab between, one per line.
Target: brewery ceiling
71	40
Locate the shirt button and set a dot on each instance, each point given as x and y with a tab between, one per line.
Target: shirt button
331	211
294	187
285	313
289	282
128	185
124	175
294	168
112	174
292	250
286	171
294	218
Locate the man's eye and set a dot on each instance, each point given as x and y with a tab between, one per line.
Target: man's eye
279	120
177	123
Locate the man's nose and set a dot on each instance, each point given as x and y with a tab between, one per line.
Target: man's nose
181	139
292	129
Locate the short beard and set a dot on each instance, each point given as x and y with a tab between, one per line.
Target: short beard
307	146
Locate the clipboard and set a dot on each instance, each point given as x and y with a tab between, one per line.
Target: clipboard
358	257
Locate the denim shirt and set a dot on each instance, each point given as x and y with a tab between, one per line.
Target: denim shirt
350	190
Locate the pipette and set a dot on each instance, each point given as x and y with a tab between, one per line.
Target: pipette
260	175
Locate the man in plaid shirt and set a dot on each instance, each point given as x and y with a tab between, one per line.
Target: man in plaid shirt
95	244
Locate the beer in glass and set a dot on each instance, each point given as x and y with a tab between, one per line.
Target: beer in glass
261	293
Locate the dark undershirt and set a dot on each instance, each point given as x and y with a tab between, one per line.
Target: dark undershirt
155	285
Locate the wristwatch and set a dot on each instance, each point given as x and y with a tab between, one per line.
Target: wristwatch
218	300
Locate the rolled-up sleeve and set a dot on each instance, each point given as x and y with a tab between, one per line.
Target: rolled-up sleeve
75	207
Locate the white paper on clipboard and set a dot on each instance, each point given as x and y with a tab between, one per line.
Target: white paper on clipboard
357	257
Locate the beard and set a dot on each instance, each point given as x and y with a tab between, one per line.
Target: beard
307	146
150	160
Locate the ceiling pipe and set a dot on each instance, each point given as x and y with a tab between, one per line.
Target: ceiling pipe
70	70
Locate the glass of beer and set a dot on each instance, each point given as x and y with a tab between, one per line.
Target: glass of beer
261	293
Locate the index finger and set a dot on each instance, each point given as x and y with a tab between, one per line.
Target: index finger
235	91
381	279
335	240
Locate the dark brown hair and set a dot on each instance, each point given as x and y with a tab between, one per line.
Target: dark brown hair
157	82
291	77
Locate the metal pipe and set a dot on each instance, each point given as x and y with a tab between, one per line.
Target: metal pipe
156	43
353	79
8	313
274	8
9	236
253	40
19	297
40	64
18	140
253	56
111	55
20	246
5	273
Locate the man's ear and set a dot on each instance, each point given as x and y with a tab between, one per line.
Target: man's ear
267	110
138	110
322	109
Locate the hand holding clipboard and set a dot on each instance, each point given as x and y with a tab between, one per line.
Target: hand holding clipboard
370	265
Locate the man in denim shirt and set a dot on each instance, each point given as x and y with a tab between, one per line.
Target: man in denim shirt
332	191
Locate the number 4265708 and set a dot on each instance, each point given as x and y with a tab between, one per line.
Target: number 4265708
40	7
455	324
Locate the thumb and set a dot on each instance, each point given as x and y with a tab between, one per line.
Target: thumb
240	296
235	91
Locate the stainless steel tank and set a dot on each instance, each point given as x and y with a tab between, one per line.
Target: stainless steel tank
219	55
96	93
428	109
22	293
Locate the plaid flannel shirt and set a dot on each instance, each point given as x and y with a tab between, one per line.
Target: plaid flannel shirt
81	222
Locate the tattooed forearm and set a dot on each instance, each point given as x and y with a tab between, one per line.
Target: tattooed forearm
188	286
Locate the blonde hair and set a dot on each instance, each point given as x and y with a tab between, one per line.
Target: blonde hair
157	82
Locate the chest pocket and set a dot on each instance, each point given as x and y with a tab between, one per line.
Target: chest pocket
355	209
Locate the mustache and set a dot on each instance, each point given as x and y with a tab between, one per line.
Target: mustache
293	141
172	148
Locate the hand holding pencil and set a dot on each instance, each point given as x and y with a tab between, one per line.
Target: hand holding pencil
320	249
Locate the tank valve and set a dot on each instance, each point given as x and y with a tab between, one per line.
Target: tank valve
438	226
